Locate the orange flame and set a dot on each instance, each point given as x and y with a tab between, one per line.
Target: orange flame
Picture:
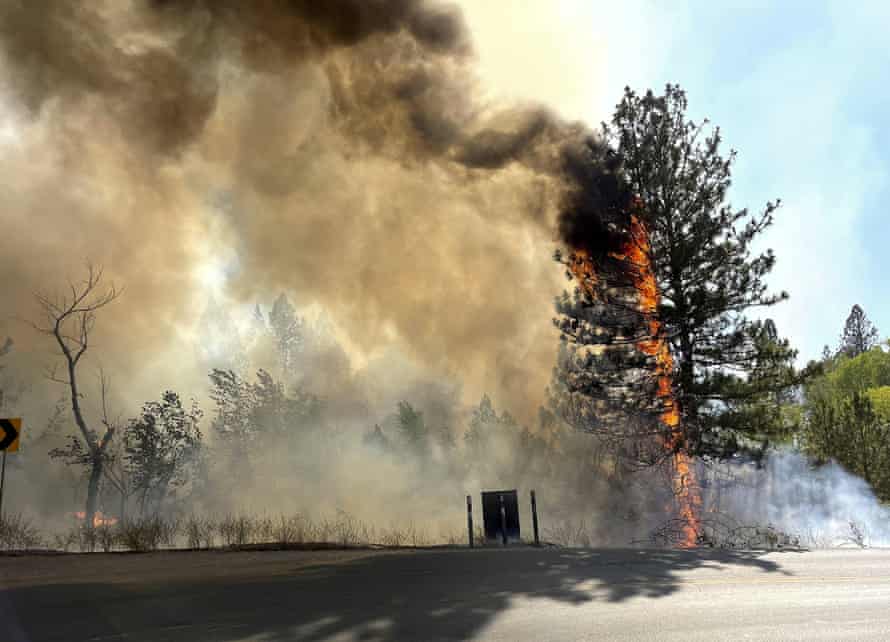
637	251
98	518
686	492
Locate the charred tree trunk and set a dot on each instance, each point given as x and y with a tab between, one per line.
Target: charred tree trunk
93	493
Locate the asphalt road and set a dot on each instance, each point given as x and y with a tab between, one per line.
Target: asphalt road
519	594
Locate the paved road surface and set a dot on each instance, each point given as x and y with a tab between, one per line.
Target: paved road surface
427	595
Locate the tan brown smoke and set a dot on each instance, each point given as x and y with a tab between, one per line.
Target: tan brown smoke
338	149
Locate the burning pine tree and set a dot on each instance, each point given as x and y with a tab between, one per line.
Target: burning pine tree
658	354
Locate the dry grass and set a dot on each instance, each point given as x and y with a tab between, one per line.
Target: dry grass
569	534
145	533
237	530
199	531
17	533
233	530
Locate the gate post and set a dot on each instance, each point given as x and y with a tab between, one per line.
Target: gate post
470	519
503	521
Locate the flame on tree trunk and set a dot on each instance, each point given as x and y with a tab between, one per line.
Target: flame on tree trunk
636	254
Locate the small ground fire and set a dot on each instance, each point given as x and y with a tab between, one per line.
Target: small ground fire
99	519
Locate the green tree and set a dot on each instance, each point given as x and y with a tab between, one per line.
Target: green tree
413	432
859	335
880	400
870	369
277	413
486	425
727	368
849	431
287	328
847	416
162	447
233	398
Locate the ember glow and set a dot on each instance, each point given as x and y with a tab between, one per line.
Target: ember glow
99	519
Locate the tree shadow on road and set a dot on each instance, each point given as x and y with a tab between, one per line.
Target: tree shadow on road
416	595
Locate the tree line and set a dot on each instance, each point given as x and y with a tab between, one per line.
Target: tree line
845	411
175	454
733	375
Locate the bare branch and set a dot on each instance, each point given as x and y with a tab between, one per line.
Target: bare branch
50	374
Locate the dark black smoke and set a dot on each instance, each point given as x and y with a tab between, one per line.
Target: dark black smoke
358	162
595	212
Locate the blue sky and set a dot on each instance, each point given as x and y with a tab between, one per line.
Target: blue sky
800	89
803	92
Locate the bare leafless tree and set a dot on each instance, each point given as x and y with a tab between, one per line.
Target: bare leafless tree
69	318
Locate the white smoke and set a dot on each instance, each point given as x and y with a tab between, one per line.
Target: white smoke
821	506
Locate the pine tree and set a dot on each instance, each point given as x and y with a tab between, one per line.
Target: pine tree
412	429
288	330
859	335
485	423
277	412
234	402
724	364
847	430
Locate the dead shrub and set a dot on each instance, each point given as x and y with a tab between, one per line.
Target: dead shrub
18	533
147	533
236	530
199	531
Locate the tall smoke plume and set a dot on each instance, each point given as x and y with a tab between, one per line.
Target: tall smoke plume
338	150
341	152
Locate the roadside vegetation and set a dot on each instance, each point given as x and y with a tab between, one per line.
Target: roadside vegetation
227	531
284	414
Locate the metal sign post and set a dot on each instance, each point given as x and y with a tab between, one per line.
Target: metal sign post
10	430
503	521
2	481
535	519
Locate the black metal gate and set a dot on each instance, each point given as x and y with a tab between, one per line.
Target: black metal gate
500	516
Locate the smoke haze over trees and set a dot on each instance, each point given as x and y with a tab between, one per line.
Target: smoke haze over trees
336	258
252	149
